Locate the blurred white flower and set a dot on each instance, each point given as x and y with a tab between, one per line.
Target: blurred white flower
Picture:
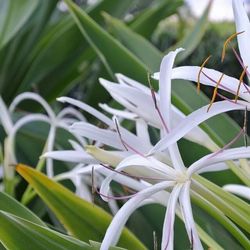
12	125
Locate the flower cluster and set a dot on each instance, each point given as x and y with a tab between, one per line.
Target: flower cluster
152	172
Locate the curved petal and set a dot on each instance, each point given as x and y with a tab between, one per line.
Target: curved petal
165	103
87	108
35	97
165	85
115	228
141	166
187	213
227	154
242	24
70	156
194	119
167	242
210	77
240	190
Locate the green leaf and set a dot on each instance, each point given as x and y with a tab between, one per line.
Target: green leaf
81	218
13	15
114	56
10	205
19	234
194	36
141	47
147	21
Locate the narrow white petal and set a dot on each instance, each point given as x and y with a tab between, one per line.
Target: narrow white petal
138	166
227	154
76	146
213	168
240	190
120	113
196	118
167	242
109	137
86	108
186	209
115	228
69	111
70	156
34	97
165	85
122	79
10	157
92	132
165	102
242	24
228	83
132	99
50	146
142	131
5	117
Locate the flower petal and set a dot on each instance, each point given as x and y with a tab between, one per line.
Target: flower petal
115	228
227	154
70	156
35	97
165	85
5	117
240	190
242	24
167	242
194	119
210	77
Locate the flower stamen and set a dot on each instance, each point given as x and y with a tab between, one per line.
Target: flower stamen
124	143
215	92
240	81
229	39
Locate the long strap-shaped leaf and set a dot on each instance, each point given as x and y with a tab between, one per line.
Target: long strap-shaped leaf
81	218
10	205
19	234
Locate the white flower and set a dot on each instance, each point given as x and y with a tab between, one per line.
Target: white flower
163	177
211	77
138	102
11	127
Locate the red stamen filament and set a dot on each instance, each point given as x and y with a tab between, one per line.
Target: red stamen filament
124	143
156	106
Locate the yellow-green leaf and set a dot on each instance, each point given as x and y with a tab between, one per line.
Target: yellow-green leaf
82	219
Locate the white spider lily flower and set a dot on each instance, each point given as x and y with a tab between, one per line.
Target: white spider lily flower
240	190
178	177
110	136
65	118
137	100
209	76
179	181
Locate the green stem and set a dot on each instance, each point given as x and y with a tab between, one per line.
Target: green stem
239	172
29	193
220	217
236	201
242	219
